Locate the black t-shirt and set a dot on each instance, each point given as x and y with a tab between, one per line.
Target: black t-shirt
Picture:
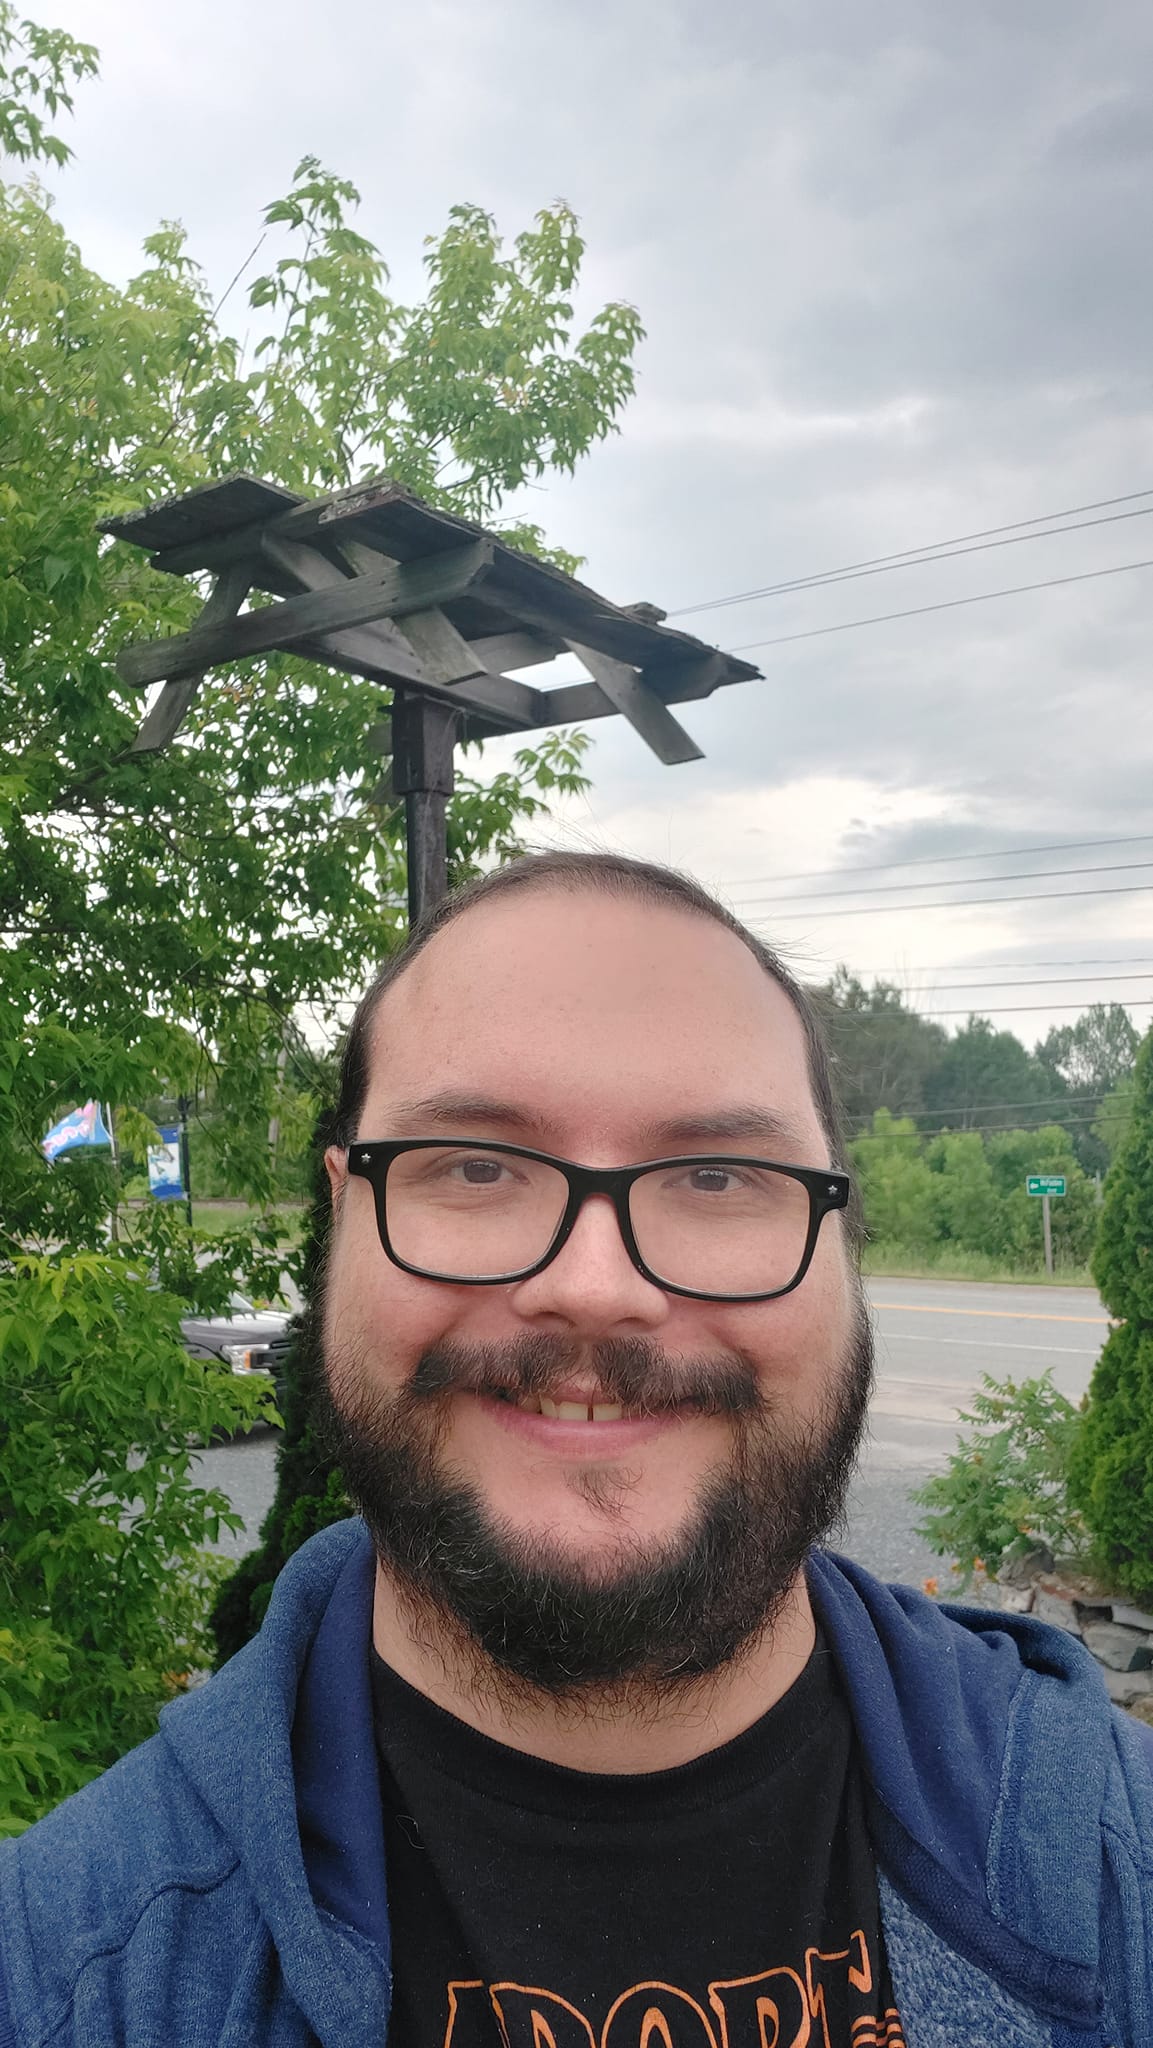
731	1903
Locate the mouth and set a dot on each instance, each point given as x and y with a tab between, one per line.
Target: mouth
569	1411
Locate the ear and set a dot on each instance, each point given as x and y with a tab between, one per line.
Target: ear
336	1167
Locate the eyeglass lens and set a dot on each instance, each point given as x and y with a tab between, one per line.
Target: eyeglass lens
728	1227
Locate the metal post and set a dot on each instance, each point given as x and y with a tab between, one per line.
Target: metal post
1048	1233
114	1157
423	738
185	1167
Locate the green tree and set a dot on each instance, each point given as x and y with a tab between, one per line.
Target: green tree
1089	1059
899	1194
1114	1117
1112	1469
1093	1055
983	1076
882	1049
966	1199
1013	1156
163	916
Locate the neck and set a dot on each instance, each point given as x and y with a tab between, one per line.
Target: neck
629	1728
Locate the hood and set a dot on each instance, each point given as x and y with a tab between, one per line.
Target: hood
987	1740
976	1728
279	1746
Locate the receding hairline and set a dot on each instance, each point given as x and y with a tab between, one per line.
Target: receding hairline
414	958
593	873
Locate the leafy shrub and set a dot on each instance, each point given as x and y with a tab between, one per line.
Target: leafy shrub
104	1581
1005	1486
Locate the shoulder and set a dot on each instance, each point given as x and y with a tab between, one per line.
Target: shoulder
160	1861
85	1882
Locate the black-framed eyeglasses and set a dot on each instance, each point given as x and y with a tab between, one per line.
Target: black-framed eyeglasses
713	1226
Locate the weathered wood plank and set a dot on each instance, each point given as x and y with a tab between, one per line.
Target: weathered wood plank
645	711
501	651
301	524
307	569
678	682
396	590
381	652
172	706
510	705
443	652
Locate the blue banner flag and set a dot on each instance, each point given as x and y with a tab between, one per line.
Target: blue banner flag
80	1127
165	1177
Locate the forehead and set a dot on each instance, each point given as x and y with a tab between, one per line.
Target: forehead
593	1014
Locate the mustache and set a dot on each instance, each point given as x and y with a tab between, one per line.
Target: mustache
629	1370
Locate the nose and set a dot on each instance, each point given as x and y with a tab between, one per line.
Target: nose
592	1286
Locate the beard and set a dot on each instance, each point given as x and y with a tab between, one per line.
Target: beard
524	1615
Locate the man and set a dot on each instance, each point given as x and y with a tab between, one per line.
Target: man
577	1737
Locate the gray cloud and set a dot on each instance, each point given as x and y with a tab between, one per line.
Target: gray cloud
894	265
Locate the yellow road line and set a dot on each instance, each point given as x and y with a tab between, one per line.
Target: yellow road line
1008	1315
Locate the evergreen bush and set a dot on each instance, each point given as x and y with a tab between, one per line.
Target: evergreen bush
1111	1475
309	1491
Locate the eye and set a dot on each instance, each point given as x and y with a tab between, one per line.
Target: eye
480	1173
712	1180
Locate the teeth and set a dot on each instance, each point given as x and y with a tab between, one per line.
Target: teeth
579	1411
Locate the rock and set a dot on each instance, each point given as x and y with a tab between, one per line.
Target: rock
1126	1688
1131	1617
1122	1649
1028	1565
1016	1599
1053	1602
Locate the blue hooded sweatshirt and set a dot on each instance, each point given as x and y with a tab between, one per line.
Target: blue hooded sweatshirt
224	1885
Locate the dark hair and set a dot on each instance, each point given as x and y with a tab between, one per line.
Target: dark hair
611	874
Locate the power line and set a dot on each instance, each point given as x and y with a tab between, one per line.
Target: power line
987	1108
968	902
912	559
1064	1123
948	605
1011	1009
1122	867
1060	981
940	860
956	540
1135	960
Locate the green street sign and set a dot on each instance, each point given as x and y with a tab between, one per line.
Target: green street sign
1045	1184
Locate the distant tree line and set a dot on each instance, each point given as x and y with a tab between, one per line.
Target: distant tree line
943	1129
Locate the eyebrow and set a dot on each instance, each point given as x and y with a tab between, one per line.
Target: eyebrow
728	1126
457	1109
461	1112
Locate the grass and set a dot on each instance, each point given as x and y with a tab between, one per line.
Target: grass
953	1262
215	1217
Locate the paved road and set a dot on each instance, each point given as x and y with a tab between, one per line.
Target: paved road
934	1340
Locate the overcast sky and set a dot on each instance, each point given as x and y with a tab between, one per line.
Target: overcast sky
894	265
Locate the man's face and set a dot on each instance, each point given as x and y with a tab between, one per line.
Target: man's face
605	1031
